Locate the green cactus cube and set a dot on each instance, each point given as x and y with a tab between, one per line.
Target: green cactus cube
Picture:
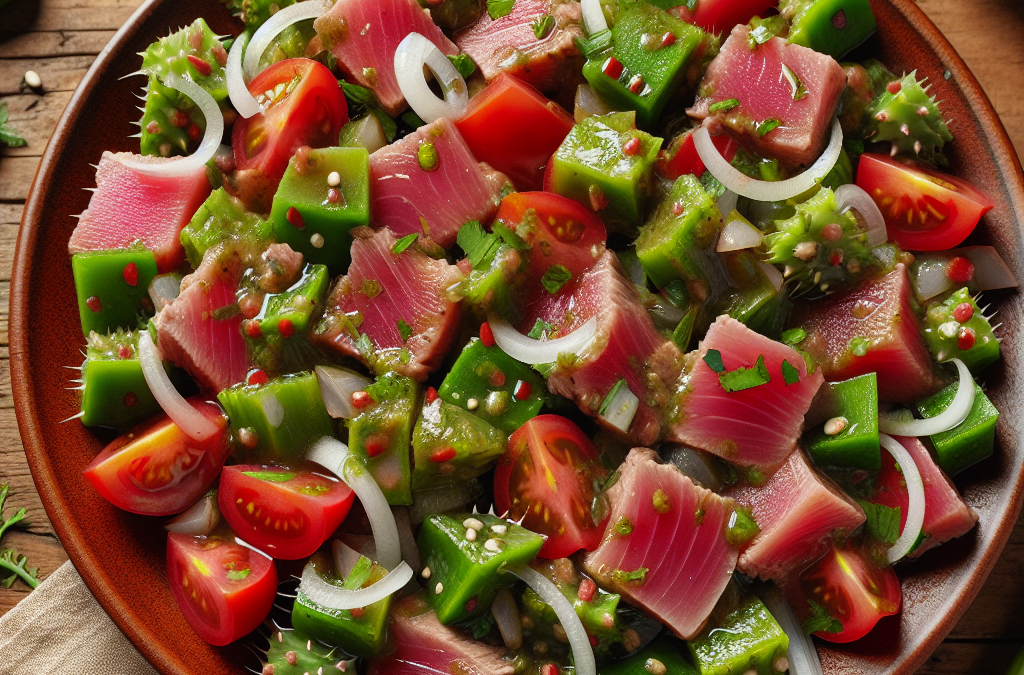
114	390
969	442
748	639
451	445
956	328
381	433
832	27
222	218
850	438
112	287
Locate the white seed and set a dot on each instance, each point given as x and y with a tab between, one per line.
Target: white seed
472	404
470	534
317	240
334	179
492	545
655	667
806	250
438	588
499	529
836	425
425	573
949	329
780	664
32	79
473	524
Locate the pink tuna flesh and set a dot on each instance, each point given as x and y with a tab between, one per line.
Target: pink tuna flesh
675	561
872	328
628	347
751	427
364	35
946	516
798	511
385	294
509	44
409	198
794	85
423	646
130	206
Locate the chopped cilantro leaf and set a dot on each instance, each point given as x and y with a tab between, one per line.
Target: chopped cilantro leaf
789	373
610	396
540	329
510	237
404	243
634	578
478	244
794	336
464	64
555	277
362	101
883	522
745	378
820	621
714	360
768	126
499	8
543	25
405	330
724	106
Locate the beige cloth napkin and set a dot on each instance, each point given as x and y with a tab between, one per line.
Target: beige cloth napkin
60	628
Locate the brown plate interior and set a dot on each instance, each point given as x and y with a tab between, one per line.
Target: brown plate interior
121	555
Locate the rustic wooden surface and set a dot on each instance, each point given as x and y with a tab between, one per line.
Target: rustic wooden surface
59	39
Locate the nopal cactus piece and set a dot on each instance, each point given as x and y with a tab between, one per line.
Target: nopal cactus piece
905	116
294	653
254	13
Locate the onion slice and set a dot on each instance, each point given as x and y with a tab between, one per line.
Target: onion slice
413	54
727	202
300	11
958	410
337	386
738	235
767	191
334	455
593	17
324	593
930	278
803	657
621	407
534	352
772	273
193	423
200	519
990	271
182	166
852	196
244	102
582	652
915	495
506	617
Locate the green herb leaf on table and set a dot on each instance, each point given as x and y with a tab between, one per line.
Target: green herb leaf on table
8	136
12	565
499	8
820	621
555	277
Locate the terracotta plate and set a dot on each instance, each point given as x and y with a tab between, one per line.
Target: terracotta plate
121	556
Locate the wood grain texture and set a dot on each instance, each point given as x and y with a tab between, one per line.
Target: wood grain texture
60	38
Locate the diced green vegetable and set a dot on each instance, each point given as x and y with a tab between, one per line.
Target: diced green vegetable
662	651
956	328
754	300
853	441
222	218
451	445
832	27
112	287
969	442
114	390
748	639
380	434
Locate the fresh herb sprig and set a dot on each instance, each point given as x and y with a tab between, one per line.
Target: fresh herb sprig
12	565
8	136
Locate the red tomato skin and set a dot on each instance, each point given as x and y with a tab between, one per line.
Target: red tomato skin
573	479
317	517
721	16
916	194
514	128
239	606
119	472
681	156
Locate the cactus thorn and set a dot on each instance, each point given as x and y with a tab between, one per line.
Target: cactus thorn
905	129
73	417
894	151
917	147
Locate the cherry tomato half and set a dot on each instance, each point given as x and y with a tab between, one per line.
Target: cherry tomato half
681	156
720	16
853	590
157	470
286	512
305	107
924	210
224	589
546	477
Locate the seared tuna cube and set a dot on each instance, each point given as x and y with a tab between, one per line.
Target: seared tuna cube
364	35
625	376
946	516
391	310
872	328
667	547
430	183
797	511
745	397
777	99
535	42
129	206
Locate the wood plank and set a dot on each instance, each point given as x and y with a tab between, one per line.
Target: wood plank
67	15
18	173
53	43
15	472
44	552
34	117
997	608
58	73
960	658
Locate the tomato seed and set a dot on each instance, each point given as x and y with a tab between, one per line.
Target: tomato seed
963	312
131	274
486	336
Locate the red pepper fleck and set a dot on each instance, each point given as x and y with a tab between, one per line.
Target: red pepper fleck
153	127
960	270
376	444
131	274
677	209
194	132
285	328
632	147
253	330
497	379
124	352
471	605
356	613
333	196
963	312
443	455
522	390
669	39
202	67
894	87
612	68
832	232
966	339
431	394
179	119
257	376
130	399
836	258
361	399
636	85
587	590
486	336
593	640
295	218
93	303
550	669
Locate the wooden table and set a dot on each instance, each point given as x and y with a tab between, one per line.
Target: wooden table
59	39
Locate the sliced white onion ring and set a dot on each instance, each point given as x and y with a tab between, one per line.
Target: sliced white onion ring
582	652
300	11
588	104
193	423
406	539
200	519
182	166
851	196
915	495
958	410
506	617
336	388
593	17
727	202
533	352
772	273
990	271
930	278
244	102
334	455
803	657
164	289
324	593
738	235
621	408
767	191
413	54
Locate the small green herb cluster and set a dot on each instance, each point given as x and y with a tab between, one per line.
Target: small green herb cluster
12	565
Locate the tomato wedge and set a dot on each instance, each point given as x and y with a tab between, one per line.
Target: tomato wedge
924	209
224	589
546	478
305	107
853	591
157	470
681	156
286	512
720	16
514	128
